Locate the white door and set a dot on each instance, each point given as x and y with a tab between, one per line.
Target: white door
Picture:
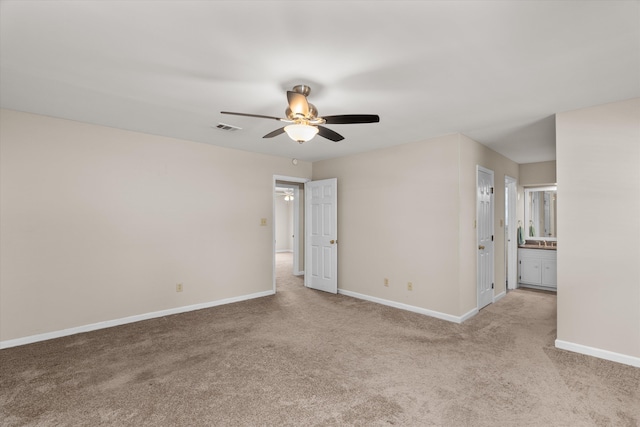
484	230
321	232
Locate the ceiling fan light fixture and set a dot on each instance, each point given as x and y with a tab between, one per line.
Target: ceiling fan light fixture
304	120
301	132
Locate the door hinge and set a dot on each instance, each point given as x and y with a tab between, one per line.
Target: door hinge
492	286
492	237
491	190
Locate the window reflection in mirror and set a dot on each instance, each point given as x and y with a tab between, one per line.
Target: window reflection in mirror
540	213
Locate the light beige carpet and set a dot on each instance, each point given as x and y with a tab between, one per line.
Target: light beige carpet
304	357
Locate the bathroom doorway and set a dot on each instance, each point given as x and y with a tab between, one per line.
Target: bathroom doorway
510	232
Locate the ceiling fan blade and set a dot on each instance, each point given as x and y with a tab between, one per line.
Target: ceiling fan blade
351	118
298	103
274	133
329	134
252	115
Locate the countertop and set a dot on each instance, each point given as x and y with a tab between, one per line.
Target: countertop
532	246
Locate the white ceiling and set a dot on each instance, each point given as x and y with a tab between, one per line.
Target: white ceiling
496	71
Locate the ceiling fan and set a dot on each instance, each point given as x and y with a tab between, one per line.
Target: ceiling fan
304	120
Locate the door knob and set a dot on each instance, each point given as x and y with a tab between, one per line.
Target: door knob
333	241
481	247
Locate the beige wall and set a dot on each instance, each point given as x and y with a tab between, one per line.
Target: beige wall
598	156
541	173
407	213
472	154
398	218
99	223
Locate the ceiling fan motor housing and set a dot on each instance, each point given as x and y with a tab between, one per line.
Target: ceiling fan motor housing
302	89
313	113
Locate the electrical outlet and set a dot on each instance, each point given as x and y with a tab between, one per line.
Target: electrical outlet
410	286
179	287
386	282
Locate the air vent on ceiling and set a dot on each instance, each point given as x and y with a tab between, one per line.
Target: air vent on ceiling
225	126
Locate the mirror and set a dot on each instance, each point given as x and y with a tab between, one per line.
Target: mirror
540	212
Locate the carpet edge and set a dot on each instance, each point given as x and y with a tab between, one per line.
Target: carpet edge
412	308
125	320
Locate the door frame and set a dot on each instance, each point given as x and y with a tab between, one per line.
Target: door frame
298	180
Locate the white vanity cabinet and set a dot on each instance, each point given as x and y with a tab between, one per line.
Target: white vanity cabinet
537	268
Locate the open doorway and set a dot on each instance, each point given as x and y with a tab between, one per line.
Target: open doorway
288	230
510	230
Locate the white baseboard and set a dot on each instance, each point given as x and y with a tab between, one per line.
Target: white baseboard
414	309
283	251
599	353
498	297
469	315
131	319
